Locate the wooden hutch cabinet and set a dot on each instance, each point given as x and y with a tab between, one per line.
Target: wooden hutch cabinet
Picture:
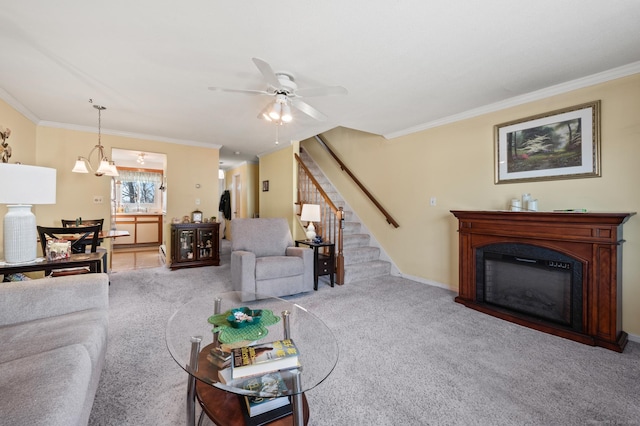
195	244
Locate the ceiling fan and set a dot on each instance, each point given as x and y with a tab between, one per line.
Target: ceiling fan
282	86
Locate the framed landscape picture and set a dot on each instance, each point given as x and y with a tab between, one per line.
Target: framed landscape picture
562	144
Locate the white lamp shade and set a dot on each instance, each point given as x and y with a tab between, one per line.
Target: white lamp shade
113	170
275	111
286	113
310	213
104	167
80	166
27	184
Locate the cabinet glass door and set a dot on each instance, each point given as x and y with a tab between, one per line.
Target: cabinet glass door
205	243
187	243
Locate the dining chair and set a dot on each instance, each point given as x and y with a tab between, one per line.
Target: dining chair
71	223
85	239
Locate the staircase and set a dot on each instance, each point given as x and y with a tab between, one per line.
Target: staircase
361	259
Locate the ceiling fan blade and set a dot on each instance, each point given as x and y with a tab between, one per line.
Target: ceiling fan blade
249	91
321	91
308	109
267	72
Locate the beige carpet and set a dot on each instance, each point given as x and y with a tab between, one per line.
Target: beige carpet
409	355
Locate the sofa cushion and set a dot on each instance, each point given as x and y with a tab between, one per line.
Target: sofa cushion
28	300
88	328
48	388
278	266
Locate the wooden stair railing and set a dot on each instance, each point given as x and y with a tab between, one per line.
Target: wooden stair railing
332	218
344	167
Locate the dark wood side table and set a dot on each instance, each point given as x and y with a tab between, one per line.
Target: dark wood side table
324	259
92	260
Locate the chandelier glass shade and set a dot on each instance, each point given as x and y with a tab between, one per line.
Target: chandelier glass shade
104	166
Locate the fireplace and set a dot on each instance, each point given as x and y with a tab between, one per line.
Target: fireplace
558	273
543	284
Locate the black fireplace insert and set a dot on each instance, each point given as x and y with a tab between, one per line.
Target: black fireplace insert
531	281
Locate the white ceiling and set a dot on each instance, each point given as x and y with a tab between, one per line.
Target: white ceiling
407	65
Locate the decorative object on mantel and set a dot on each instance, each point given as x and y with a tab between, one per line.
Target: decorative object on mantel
528	204
26	185
5	149
561	144
105	167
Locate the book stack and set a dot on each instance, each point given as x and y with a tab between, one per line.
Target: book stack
267	407
257	368
219	358
263	358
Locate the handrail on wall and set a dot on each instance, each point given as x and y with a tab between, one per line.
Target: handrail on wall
344	167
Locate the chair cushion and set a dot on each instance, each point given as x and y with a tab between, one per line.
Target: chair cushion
261	236
278	266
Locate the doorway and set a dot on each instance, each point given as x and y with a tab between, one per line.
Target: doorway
236	197
138	205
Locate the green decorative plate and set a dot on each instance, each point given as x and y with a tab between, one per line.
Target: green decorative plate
229	334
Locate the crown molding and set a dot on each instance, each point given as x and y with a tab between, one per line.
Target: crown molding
558	89
15	104
126	134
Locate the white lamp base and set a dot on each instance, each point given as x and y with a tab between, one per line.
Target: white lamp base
20	235
311	231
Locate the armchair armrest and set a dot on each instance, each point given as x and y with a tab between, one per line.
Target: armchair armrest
243	267
307	259
22	301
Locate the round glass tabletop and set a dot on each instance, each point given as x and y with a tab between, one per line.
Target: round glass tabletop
196	320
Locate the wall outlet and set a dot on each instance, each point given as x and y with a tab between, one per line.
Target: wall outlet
97	199
432	201
197	201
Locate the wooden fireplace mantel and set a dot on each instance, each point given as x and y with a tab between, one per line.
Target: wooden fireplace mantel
595	239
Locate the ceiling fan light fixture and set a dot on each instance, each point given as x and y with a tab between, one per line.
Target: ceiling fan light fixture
276	110
286	113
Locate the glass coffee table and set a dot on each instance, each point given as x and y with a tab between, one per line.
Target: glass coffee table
191	336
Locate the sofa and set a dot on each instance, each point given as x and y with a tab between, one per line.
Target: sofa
264	260
53	334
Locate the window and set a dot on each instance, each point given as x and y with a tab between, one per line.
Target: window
137	192
139	189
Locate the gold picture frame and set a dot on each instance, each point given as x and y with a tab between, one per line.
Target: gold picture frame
561	144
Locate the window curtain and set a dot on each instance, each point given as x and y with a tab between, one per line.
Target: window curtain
146	177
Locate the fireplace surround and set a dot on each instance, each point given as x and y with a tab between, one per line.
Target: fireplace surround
556	272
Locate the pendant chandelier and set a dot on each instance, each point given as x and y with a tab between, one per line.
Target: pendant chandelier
104	166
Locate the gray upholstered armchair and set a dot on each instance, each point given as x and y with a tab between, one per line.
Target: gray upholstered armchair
264	260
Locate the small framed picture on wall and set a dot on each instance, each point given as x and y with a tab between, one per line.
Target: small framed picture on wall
265	185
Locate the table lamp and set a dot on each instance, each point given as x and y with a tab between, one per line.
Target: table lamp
310	213
23	186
